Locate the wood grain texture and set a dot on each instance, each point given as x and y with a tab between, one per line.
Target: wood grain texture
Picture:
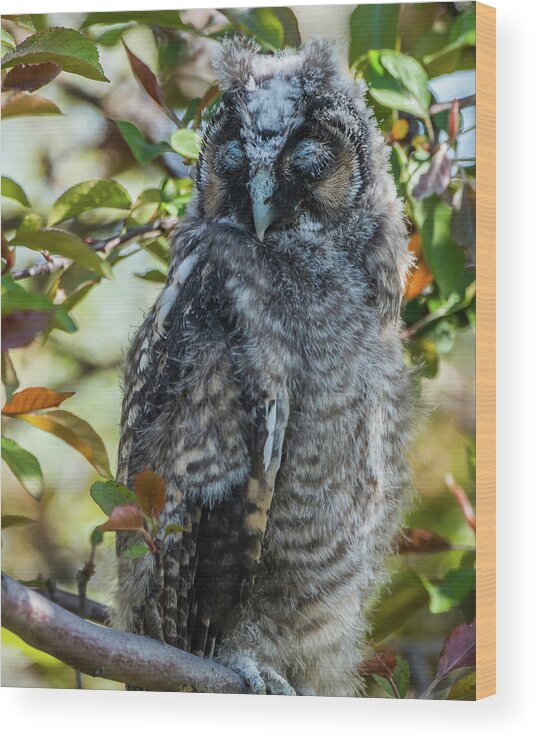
486	350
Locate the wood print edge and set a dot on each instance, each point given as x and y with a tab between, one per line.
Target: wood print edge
486	350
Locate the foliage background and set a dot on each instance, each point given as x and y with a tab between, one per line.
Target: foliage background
431	592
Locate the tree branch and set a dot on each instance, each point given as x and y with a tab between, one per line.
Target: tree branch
71	602
53	264
99	651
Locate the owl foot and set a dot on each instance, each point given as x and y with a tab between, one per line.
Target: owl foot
261	679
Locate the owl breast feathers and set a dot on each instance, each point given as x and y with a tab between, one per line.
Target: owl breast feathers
267	387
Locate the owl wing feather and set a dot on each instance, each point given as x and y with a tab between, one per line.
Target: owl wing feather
217	442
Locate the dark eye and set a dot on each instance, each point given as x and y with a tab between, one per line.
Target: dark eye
310	158
230	158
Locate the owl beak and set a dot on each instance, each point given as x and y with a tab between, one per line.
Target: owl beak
261	190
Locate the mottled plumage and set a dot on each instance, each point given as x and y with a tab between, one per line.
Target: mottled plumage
267	386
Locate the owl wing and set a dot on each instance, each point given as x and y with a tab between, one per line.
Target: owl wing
217	442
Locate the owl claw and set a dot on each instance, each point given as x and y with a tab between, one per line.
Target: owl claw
260	679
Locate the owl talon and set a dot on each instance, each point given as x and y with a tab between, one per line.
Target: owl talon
260	679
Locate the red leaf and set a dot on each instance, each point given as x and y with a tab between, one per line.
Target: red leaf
149	82
436	179
30	77
20	327
459	650
124	519
381	663
33	399
150	492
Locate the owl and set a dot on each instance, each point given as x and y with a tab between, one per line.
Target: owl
266	385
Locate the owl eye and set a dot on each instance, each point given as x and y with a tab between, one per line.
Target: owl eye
230	158
310	158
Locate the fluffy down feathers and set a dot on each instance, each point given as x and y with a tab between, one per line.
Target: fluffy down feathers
267	385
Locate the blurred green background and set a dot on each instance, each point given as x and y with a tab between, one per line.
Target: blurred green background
47	155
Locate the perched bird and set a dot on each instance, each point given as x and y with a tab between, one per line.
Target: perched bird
267	387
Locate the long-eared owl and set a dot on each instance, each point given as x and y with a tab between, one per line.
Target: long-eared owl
266	385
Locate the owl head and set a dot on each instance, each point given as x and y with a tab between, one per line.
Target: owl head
289	144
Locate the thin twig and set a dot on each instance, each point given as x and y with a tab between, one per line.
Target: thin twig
83	576
463	103
463	501
93	610
53	264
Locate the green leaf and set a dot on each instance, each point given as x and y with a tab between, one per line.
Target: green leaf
456	585
28	314
444	257
14	520
25	21
152	276
75	432
262	24
174	529
9	376
23	104
292	36
16	298
400	676
142	150
11	189
110	494
187	143
86	196
23	314
24	466
385	685
163	18
110	35
463	33
66	245
373	27
134	551
96	537
397	601
7	39
159	248
399	82
464	689
69	49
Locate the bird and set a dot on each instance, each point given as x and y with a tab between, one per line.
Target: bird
267	385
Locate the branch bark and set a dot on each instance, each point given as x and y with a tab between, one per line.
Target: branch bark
99	651
71	602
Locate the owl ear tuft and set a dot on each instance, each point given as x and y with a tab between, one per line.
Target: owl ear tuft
321	64
233	63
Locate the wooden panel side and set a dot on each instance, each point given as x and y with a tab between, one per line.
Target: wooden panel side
486	350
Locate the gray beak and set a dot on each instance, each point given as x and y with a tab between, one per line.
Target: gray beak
261	191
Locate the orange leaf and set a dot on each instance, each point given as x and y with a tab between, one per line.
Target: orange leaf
420	275
23	104
33	399
75	432
400	129
150	492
